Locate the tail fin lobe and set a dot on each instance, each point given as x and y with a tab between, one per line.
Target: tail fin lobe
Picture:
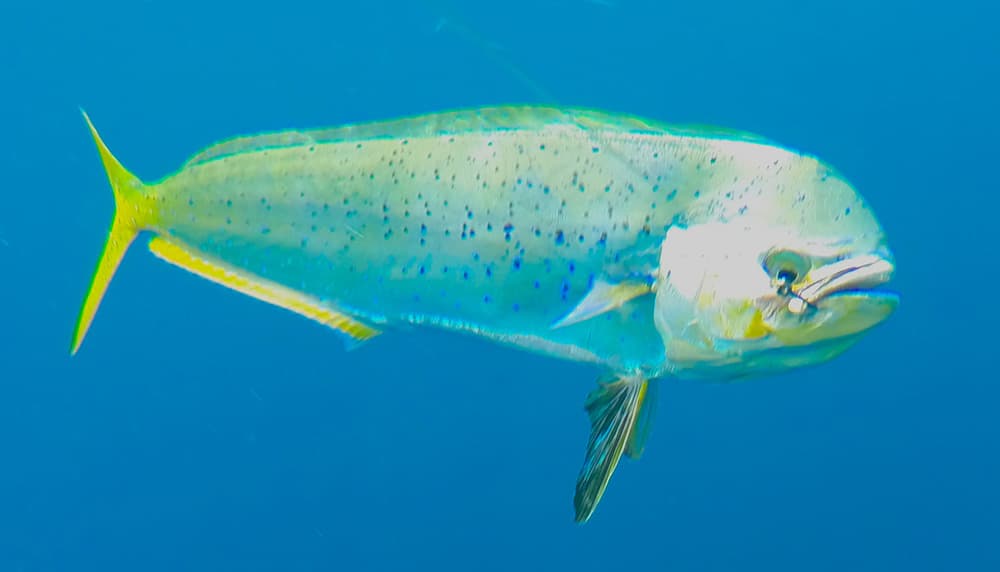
133	212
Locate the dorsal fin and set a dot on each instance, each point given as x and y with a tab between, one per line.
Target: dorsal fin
502	118
446	123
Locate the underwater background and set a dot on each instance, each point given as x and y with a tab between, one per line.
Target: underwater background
201	430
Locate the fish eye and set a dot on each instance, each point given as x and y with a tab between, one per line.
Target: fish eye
785	266
785	279
787	276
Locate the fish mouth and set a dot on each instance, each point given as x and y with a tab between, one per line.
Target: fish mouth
858	274
844	300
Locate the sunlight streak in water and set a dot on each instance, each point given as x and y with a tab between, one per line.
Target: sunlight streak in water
448	21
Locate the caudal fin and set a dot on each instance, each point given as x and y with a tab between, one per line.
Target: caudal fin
133	213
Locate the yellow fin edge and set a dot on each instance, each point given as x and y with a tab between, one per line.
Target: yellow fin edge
189	259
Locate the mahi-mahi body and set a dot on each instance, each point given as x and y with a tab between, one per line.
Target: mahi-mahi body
536	227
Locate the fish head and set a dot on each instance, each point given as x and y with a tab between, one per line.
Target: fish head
774	284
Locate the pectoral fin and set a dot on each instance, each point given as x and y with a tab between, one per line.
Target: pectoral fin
603	297
615	409
643	421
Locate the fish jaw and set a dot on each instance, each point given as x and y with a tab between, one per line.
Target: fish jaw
846	298
858	273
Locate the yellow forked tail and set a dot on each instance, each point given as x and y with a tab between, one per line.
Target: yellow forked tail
133	213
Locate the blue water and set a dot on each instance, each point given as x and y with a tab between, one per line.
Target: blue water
201	430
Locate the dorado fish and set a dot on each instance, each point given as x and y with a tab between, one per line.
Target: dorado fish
649	250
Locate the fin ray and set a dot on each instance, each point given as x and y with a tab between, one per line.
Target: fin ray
190	259
643	420
613	408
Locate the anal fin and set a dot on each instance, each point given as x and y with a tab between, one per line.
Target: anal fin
190	259
615	409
